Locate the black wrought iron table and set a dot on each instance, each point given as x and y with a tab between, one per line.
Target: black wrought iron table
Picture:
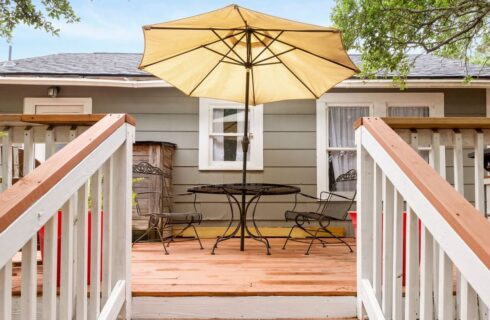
255	191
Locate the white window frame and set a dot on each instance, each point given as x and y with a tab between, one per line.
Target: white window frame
30	104
256	118
378	104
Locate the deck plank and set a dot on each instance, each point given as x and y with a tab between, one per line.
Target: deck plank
189	271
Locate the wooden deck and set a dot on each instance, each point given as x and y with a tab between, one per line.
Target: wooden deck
189	271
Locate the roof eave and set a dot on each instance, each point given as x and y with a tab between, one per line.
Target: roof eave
155	83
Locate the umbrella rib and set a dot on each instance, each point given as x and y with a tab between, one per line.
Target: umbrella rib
237	8
260	62
217	64
253	85
231	48
266	64
309	52
268	45
221	54
231	62
291	71
190	50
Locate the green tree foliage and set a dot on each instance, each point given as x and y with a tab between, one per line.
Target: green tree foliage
386	31
38	14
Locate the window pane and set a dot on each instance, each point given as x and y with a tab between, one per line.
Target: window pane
228	149
228	120
408	111
340	125
339	163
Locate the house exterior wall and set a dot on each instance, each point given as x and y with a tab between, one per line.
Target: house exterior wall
165	114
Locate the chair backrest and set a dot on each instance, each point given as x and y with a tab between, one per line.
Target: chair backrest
344	182
149	184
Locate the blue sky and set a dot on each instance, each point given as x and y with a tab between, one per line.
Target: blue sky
115	25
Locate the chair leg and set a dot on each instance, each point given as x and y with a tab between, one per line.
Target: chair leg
141	237
197	236
146	233
340	239
162	240
288	237
312	240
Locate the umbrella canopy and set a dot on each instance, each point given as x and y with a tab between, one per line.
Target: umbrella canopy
241	55
207	56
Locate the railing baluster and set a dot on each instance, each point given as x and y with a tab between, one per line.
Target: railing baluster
7	159
411	305
50	248
388	218
444	281
6	291
365	165
479	172
480	192
426	278
438	162
107	225
82	250
29	251
427	254
445	307
6	271
377	235
459	186
397	256
66	279
95	245
72	134
412	266
123	159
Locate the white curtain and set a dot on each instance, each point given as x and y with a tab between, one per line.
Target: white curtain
228	121
218	142
408	111
341	135
240	128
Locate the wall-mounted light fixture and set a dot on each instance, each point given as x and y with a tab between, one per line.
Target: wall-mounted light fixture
53	92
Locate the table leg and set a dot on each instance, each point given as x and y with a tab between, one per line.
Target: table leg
242	224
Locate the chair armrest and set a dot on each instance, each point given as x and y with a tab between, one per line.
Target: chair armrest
148	192
334	194
324	192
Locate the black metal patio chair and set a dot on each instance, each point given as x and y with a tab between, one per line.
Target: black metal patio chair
154	201
322	217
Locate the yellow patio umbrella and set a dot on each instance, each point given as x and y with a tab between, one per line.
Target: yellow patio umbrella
242	55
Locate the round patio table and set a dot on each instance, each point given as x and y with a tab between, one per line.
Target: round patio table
254	191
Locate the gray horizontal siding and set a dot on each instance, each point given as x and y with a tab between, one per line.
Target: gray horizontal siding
165	114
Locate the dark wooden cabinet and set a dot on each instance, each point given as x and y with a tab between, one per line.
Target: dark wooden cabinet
158	154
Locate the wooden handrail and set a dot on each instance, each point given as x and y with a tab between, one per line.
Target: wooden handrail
18	198
433	123
463	217
58	119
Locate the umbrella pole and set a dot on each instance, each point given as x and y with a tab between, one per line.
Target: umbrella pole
245	144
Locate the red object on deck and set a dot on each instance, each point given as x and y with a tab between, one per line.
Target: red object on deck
353	216
41	245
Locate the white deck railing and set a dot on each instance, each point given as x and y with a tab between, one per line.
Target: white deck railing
65	182
393	178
